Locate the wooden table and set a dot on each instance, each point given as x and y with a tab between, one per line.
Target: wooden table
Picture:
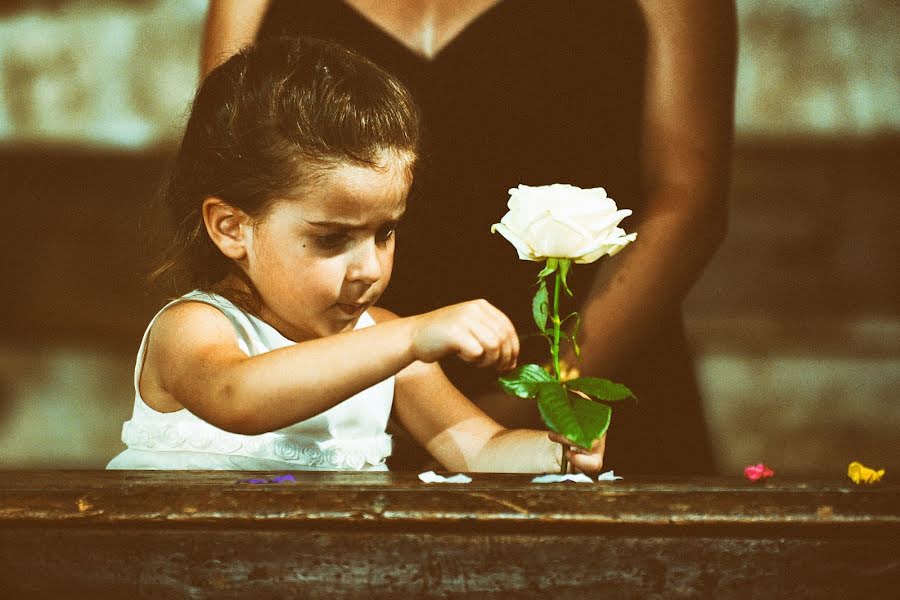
90	534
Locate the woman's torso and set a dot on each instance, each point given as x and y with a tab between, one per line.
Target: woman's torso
534	92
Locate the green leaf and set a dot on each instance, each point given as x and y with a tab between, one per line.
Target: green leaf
564	264
580	420
523	381
602	389
540	306
548	269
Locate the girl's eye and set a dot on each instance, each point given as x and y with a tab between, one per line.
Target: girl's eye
385	234
332	241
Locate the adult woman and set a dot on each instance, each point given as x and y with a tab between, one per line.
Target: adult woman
635	96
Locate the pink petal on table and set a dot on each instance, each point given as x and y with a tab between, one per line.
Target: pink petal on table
757	472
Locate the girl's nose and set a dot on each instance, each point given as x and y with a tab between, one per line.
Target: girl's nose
365	266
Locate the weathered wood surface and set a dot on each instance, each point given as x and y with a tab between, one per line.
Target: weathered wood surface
386	535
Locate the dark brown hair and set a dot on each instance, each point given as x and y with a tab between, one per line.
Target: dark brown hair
264	124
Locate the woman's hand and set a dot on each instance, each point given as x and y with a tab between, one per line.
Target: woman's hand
475	331
581	459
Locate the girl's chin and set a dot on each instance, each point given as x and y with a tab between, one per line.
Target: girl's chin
339	321
333	320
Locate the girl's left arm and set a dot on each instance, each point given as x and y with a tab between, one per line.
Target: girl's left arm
458	434
463	438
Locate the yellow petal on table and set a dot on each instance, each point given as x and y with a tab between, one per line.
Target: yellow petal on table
860	473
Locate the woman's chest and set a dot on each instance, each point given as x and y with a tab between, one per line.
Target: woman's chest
423	26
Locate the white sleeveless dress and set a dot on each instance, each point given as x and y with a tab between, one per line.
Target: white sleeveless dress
348	436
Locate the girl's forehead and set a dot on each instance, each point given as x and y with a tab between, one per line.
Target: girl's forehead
352	193
391	177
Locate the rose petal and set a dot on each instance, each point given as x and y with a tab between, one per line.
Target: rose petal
609	476
609	247
860	473
563	221
524	250
554	478
432	477
757	472
552	238
605	225
527	203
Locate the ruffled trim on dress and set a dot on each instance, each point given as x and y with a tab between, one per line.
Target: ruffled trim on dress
334	453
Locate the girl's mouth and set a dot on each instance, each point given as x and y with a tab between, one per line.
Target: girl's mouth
351	310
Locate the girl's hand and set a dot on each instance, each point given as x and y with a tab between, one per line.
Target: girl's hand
475	331
581	459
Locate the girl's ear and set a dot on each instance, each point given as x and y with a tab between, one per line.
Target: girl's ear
227	227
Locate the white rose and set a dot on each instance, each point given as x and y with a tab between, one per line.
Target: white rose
563	221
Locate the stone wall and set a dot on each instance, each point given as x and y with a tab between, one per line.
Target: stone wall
818	67
120	74
795	321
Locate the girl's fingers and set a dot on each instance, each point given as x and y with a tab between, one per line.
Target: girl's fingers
508	355
559	439
503	328
598	445
590	464
470	349
496	333
516	348
512	346
490	346
498	339
581	459
488	338
504	350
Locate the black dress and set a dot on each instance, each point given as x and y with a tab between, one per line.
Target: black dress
534	92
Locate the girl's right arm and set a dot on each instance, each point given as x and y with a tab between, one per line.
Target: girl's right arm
193	361
230	25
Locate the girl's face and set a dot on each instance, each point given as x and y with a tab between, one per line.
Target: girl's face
320	260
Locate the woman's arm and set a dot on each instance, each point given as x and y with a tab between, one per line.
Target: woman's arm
688	126
230	25
193	361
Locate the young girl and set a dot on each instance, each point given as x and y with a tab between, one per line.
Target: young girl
287	189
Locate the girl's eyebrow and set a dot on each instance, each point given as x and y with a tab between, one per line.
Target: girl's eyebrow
333	224
348	225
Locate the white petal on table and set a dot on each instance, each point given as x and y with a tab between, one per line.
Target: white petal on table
432	477
576	477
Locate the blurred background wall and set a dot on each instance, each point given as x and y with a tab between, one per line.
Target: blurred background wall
796	322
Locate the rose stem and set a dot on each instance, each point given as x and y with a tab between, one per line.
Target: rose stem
554	352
